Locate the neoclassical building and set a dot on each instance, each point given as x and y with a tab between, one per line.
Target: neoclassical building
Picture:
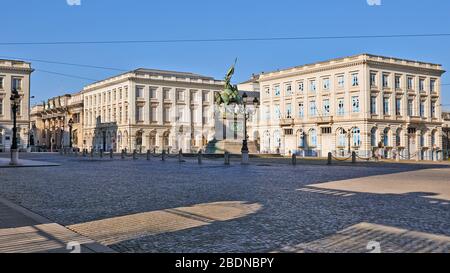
365	103
14	75
52	122
150	109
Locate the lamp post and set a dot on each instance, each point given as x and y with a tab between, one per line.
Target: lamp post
244	149
70	123
15	100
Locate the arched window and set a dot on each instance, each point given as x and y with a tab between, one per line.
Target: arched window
373	137
277	139
433	138
422	139
341	137
267	141
356	133
398	138
386	137
313	138
301	140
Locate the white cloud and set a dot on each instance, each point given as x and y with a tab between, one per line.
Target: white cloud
374	2
78	2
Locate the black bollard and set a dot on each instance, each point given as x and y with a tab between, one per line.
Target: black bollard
294	159
330	155
180	155
226	157
199	157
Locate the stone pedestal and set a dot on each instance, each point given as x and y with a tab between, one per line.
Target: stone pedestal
14	157
245	157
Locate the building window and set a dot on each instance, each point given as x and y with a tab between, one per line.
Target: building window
340	108
1	106
301	86
180	95
355	104
180	115
398	138
301	110
326	130
193	96
267	112
341	137
154	114
313	138
277	90
398	82
421	85
1	82
422	109
433	138
373	79
288	132
433	109
326	107
373	137
398	106
288	90
386	137
153	93
410	108
432	85
326	84
386	106
373	105
166	94
356	133
301	140
205	96
267	90
340	80
355	79
422	139
385	81
139	113
289	110
16	83
312	86
166	114
410	83
312	108
277	112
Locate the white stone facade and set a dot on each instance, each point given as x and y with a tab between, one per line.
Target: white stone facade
150	109
369	104
14	74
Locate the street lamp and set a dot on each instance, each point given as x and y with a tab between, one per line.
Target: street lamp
15	100
244	149
70	123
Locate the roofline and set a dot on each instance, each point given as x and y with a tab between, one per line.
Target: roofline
149	69
351	56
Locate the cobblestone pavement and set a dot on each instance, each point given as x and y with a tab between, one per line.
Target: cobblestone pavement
155	206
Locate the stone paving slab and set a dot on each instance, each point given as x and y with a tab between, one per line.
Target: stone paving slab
4	163
368	237
22	231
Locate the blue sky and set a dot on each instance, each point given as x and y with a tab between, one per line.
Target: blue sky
55	20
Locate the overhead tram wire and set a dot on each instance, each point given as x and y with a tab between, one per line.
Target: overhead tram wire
250	39
66	75
65	63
